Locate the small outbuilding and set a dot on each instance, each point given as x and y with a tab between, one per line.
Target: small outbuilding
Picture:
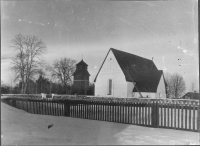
191	95
127	75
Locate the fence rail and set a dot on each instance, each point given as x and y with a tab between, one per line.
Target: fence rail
158	114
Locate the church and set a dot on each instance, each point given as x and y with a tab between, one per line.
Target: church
126	75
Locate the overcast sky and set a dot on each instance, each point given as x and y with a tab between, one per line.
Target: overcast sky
165	30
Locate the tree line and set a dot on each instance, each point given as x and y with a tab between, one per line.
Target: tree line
30	70
43	85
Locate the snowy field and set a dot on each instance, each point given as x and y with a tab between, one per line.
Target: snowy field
22	128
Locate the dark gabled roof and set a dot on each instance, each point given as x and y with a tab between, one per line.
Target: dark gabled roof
192	95
131	65
148	82
137	69
81	63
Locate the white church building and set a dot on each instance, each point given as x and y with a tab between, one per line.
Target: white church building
125	75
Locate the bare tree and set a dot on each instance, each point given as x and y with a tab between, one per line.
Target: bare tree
168	81
176	85
25	64
63	70
41	72
192	87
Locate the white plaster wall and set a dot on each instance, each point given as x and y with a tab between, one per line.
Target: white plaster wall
130	87
161	89
111	70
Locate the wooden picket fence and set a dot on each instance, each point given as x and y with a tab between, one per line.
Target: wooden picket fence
151	113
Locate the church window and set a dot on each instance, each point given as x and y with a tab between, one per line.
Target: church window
160	95
109	87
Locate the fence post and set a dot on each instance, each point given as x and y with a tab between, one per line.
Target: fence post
14	103
155	114
67	108
198	117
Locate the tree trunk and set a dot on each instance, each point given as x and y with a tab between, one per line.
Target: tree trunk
26	84
22	90
22	78
25	88
65	88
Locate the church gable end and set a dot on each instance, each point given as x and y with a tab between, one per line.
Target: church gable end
110	80
110	64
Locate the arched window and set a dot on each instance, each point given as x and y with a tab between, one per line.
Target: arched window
109	86
160	95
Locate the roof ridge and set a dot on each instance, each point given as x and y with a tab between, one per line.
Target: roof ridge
130	54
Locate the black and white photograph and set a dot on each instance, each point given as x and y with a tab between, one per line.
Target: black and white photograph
100	72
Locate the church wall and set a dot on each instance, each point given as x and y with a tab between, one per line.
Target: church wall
130	87
111	70
161	91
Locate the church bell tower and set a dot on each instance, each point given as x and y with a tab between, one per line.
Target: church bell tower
81	78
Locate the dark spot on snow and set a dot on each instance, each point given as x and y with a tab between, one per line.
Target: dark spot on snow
49	126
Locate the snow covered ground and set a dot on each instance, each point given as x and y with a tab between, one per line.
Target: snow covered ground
22	128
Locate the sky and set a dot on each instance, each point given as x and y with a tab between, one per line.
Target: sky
166	31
